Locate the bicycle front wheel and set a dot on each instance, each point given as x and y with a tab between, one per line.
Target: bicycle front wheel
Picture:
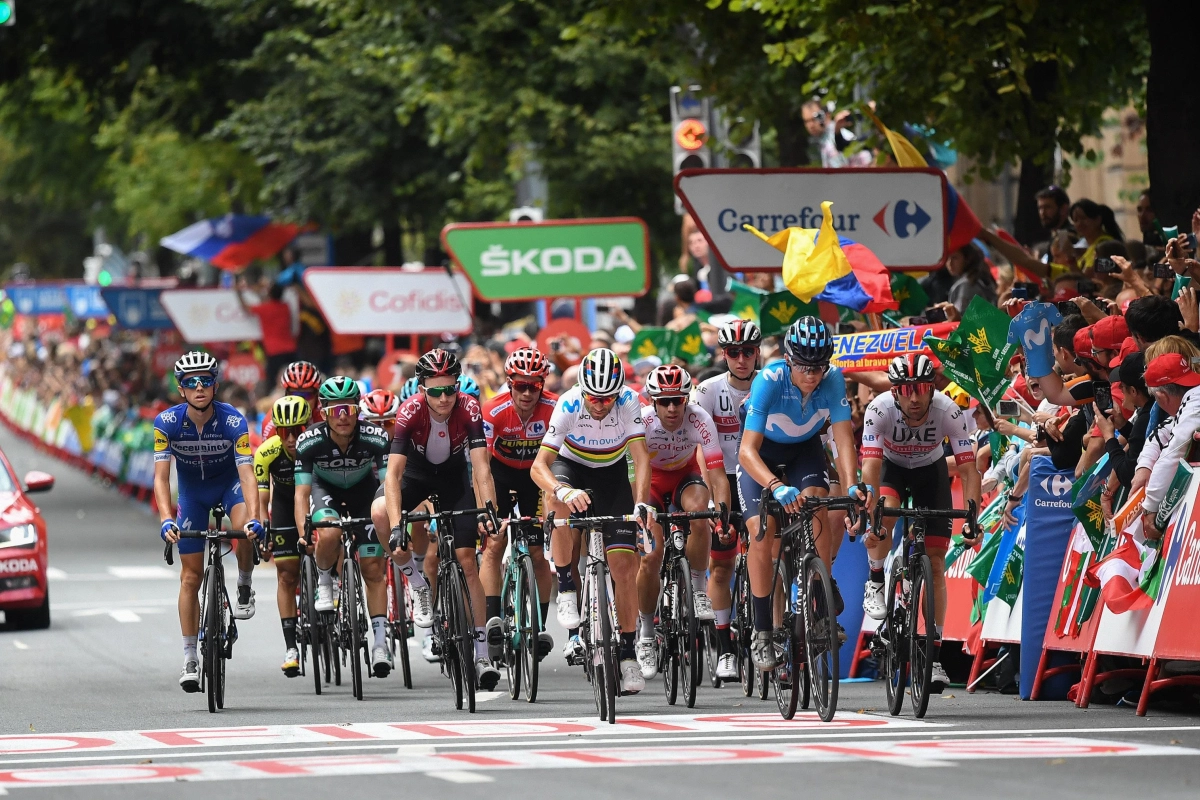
352	635
309	627
894	632
529	627
398	622
743	615
820	636
214	639
922	634
462	632
787	644
688	643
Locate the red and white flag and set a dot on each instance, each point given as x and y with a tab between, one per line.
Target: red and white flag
1120	574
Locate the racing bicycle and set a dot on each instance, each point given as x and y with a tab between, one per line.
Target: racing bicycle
349	624
521	605
399	619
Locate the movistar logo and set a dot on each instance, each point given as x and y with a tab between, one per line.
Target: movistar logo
1037	337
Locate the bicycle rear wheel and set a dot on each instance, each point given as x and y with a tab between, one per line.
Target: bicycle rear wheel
309	625
820	636
529	628
398	622
894	632
923	634
352	636
783	677
743	614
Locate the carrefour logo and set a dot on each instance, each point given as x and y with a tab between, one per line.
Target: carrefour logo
498	262
1056	485
906	219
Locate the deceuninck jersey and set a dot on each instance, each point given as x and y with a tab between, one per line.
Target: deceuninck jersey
778	410
200	454
675	450
886	434
723	401
577	436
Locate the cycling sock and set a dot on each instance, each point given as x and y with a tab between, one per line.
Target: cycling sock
627	646
289	632
722	617
876	565
480	644
645	625
566	581
189	648
572	632
492	605
545	611
724	640
244	577
764	614
325	576
419	561
379	626
698	583
415	578
938	630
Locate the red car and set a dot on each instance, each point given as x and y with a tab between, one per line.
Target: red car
24	593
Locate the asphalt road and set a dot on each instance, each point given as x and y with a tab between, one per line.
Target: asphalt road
106	673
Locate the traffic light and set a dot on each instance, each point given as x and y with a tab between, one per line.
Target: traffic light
8	12
738	142
691	115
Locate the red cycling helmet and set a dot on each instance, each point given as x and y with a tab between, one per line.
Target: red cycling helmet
302	375
437	363
668	380
528	362
379	406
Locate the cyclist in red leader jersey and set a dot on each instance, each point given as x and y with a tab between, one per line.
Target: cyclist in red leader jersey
514	422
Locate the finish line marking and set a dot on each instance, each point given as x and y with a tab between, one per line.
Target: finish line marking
920	754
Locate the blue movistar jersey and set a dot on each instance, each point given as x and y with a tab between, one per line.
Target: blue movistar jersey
777	410
218	449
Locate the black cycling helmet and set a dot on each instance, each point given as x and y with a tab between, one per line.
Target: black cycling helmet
437	363
809	342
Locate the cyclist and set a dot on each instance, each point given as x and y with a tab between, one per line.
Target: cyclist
467	385
300	379
275	467
211	445
721	396
593	425
339	463
380	407
680	435
409	389
791	401
514	422
902	454
438	431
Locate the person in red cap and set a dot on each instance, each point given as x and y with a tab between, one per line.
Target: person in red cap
1172	379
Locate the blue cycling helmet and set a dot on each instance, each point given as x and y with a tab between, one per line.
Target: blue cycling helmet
809	342
408	389
467	385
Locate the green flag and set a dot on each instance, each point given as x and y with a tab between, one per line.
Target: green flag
1091	515
966	356
984	331
981	567
781	309
689	346
908	293
1014	570
652	342
746	301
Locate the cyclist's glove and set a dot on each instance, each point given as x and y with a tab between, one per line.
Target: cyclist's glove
398	539
168	526
256	529
786	495
860	491
644	511
566	494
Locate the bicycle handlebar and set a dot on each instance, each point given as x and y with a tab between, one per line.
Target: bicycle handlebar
969	514
587	522
212	533
811	505
401	541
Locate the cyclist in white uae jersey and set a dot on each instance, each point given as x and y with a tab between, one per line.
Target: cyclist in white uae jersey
680	435
903	454
722	396
592	427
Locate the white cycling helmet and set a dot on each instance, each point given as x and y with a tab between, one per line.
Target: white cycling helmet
601	373
195	361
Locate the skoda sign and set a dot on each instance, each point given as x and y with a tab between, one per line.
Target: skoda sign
899	214
561	258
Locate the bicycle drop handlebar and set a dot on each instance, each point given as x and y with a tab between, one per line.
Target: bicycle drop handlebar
969	514
811	505
212	533
401	540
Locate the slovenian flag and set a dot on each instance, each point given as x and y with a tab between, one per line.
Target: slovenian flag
231	242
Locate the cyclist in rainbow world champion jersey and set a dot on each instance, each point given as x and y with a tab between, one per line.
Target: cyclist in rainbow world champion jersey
592	427
791	401
687	472
211	445
903	454
722	396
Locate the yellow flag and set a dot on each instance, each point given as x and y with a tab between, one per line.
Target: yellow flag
809	267
906	155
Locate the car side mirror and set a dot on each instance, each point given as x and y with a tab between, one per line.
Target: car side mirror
37	481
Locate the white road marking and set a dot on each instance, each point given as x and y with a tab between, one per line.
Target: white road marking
119	614
17	643
483	697
124	615
104	607
55	574
461	776
143	573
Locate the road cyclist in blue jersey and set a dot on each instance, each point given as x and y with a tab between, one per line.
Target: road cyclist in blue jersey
792	401
210	442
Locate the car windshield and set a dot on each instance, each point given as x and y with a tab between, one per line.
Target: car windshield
7	484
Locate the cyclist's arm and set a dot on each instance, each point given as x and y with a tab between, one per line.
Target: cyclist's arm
481	476
162	490
391	486
968	473
872	471
641	469
541	471
847	457
249	490
263	458
714	476
303	495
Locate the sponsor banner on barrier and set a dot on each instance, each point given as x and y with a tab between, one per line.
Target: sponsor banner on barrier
33	299
898	214
86	302
391	300
559	258
137	309
210	315
1179	590
872	351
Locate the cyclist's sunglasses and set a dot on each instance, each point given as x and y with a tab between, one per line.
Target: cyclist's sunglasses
523	386
600	401
288	431
809	369
910	389
741	352
670	401
196	381
441	391
341	411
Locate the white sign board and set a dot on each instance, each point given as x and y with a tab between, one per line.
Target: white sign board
898	214
210	315
390	300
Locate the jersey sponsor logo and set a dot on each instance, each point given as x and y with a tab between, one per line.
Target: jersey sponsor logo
536	428
782	423
1036	337
203	448
488	429
724	403
161	444
776	374
902	433
344	463
243	445
168	416
571	406
260	471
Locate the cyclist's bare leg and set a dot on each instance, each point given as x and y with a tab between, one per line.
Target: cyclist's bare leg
237	520
565	543
837	521
329	547
761	558
376	583
287	572
466	559
623	566
541	573
822	535
720	573
938	561
878	549
191	575
699	543
648	583
489	565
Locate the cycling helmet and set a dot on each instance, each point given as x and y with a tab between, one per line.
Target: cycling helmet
601	373
668	381
527	362
300	375
379	405
808	342
910	368
467	385
409	389
195	361
738	331
437	363
289	411
339	387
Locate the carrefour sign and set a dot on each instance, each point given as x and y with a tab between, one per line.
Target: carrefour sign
561	258
899	214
